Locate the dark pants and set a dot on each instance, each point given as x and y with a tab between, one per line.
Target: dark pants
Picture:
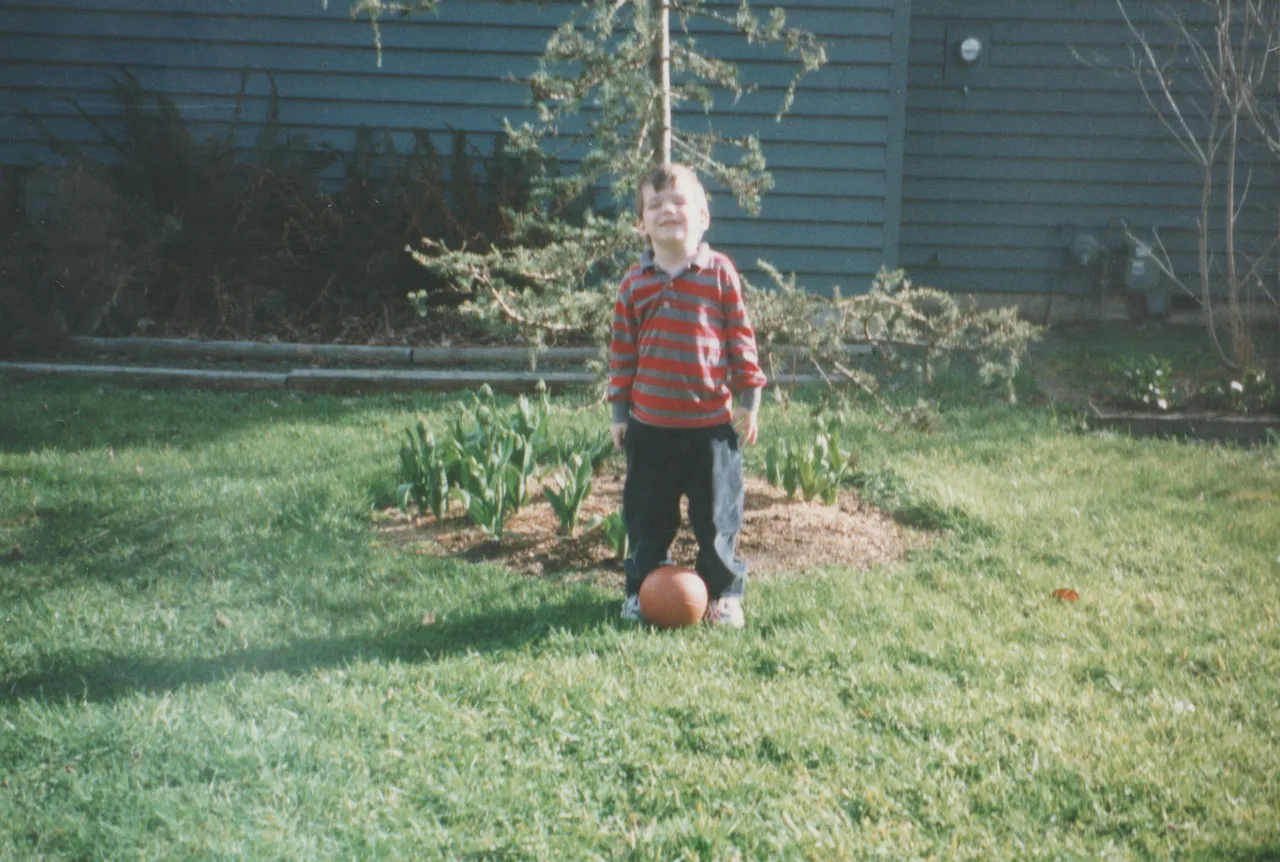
703	464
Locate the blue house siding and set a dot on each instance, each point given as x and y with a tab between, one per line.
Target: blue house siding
460	70
827	218
885	158
435	74
998	177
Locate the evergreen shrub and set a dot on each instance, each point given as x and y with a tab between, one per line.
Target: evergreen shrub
174	236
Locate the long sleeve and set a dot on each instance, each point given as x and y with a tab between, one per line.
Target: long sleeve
623	355
745	375
682	349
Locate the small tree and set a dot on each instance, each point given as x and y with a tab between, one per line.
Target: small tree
605	91
1223	119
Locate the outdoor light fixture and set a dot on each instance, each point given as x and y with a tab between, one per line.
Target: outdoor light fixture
966	55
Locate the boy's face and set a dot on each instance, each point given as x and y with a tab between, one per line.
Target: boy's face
676	216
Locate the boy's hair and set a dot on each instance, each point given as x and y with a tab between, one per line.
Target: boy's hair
664	175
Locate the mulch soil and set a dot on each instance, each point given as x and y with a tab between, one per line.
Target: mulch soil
779	536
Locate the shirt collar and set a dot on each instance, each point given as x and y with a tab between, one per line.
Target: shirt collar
701	258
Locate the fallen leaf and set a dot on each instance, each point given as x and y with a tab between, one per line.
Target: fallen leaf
428	619
222	620
1065	595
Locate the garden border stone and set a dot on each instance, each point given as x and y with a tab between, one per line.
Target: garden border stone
1201	426
193	349
198	378
396	369
307	379
184	348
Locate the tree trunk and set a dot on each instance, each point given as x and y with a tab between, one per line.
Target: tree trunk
664	76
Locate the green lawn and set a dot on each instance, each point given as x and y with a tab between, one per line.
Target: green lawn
945	707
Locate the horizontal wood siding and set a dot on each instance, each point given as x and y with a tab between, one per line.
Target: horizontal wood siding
437	73
460	70
998	178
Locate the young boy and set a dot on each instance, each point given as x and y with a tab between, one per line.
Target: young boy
682	346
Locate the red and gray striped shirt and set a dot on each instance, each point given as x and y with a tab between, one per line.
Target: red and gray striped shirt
682	344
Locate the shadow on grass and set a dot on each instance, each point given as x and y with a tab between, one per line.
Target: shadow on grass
110	677
77	543
1237	853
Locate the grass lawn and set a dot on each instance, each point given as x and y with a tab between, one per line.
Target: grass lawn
204	653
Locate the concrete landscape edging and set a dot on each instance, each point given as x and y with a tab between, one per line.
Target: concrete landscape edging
1198	426
396	369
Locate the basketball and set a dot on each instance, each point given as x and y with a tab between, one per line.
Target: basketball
673	596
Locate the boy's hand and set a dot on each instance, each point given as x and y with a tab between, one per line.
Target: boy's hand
619	430
747	424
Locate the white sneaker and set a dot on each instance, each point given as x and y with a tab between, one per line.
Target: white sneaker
726	611
631	609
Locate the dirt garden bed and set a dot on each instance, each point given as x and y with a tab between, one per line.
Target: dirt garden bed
778	536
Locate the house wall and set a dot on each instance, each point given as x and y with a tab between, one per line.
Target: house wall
886	157
60	56
831	218
1004	162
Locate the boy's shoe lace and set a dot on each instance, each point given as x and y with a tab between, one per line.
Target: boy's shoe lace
726	611
631	609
